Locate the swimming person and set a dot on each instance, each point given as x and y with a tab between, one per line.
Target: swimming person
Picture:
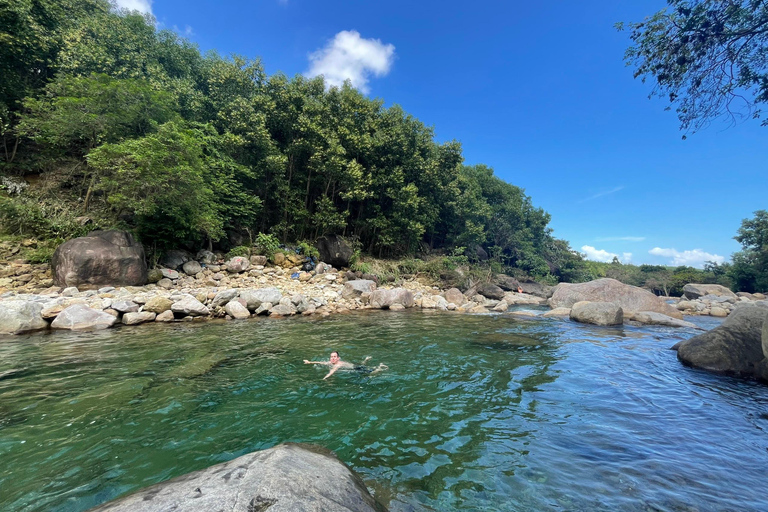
336	363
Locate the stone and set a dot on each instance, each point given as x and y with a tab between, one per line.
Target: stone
686	305
283	310
278	258
539	290
189	306
383	298
334	250
558	312
258	259
158	304
719	312
254	298
138	318
597	313
125	306
490	291
697	291
165	316
454	296
653	318
70	291
165	283
629	298
237	265
478	309
764	337
289	477
501	307
735	347
192	268
507	283
80	317
224	296
20	316
154	275
396	307
237	310
98	259
175	258
170	274
356	288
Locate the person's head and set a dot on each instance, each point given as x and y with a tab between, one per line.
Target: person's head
335	358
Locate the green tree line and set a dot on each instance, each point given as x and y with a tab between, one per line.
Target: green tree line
188	149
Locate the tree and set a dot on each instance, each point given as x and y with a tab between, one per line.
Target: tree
749	271
707	57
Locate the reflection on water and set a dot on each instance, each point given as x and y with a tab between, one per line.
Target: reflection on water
482	412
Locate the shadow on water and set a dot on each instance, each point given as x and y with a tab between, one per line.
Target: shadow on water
476	412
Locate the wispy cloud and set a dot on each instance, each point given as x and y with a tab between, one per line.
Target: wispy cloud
144	6
694	258
603	193
604	256
620	239
350	57
187	32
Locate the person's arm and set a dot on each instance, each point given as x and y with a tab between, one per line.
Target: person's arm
315	362
333	370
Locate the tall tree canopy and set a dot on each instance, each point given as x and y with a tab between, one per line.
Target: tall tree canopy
709	58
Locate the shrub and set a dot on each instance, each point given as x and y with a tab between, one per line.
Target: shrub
240	250
308	249
267	244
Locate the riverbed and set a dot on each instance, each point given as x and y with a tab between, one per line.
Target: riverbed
476	412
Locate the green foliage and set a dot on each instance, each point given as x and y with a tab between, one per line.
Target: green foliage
308	249
749	271
240	250
707	57
267	244
25	216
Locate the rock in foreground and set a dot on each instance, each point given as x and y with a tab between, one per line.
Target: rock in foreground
631	299
733	348
289	477
597	313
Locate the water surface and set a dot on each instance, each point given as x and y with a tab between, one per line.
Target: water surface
484	412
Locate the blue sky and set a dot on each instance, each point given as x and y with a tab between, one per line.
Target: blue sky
538	92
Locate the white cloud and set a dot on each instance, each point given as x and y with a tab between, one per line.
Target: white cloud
604	193
144	6
694	258
604	256
348	56
620	239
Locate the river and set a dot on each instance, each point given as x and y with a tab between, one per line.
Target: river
476	412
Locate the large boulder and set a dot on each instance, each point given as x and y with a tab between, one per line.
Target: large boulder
287	478
733	348
490	291
539	290
175	258
255	298
765	336
101	258
334	250
356	288
597	313
507	283
20	316
696	291
631	299
385	299
189	306
454	296
80	317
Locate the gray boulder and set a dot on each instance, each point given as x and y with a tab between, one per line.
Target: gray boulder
189	306
491	291
505	282
101	258
653	318
191	268
631	299
733	348
765	336
158	304
80	317
287	478
175	259
224	296
539	290
204	256
20	316
237	310
254	298
354	289
385	299
597	313
138	318
170	273
125	306
238	264
334	250
454	296
696	291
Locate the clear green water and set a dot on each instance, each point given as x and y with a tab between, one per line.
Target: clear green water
475	413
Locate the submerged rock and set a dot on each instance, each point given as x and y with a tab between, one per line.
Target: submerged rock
287	478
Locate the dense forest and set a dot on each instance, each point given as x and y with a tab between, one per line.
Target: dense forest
119	124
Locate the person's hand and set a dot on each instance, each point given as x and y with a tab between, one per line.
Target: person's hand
306	361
